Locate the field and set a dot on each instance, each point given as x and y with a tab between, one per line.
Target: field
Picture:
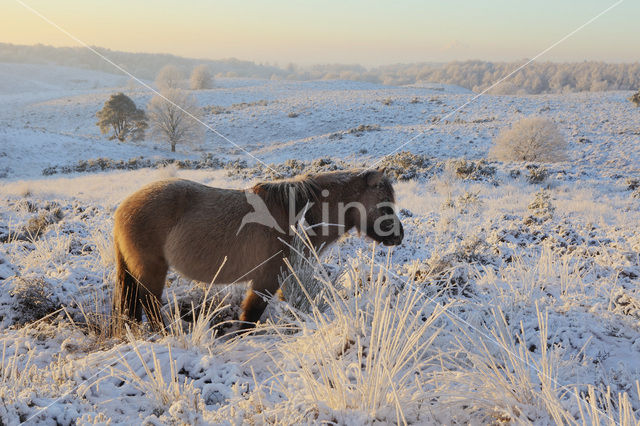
514	297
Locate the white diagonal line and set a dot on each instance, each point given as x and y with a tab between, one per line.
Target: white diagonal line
76	39
499	81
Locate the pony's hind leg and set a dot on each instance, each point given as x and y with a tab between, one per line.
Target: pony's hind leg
151	284
256	301
126	304
152	305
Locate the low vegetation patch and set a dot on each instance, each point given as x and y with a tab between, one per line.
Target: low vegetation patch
541	208
215	109
287	169
406	165
356	131
39	223
45	215
478	170
208	161
33	299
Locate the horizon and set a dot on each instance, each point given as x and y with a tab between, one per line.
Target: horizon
370	34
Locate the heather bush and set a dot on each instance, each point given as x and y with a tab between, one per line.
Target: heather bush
33	299
356	131
537	174
406	165
478	170
287	169
39	223
207	161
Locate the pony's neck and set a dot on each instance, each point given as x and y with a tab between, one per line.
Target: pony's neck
324	213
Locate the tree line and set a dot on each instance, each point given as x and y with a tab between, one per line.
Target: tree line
534	78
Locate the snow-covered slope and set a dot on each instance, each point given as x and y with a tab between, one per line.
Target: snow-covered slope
540	281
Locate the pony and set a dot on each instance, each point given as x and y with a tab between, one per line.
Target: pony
238	235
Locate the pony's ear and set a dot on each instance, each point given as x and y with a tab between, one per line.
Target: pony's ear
374	177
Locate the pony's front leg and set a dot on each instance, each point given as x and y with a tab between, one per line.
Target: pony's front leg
256	300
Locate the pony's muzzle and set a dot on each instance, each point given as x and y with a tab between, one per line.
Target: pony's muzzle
396	237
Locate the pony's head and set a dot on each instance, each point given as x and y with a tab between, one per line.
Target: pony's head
340	200
377	218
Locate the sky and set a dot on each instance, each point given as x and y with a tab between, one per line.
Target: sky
369	32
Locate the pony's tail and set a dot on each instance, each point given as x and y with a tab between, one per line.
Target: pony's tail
126	300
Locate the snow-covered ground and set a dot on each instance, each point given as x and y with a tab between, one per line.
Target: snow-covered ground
508	301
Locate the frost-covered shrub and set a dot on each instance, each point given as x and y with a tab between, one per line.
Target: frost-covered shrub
364	128
451	272
39	223
473	170
289	168
537	174
530	139
169	77
468	201
626	304
541	207
406	165
201	78
35	227
33	299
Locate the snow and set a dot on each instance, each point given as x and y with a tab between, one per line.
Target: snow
507	270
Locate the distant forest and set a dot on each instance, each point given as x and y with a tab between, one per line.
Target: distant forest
537	77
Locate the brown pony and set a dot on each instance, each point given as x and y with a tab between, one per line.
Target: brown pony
192	228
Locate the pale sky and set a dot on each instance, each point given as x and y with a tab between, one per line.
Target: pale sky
332	31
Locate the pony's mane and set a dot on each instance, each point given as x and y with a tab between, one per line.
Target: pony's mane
278	193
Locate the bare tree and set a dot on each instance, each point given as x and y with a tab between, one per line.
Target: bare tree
169	77
174	118
121	115
530	139
201	78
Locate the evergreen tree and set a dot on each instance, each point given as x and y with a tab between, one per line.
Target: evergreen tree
121	115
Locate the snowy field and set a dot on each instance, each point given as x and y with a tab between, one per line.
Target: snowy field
514	297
